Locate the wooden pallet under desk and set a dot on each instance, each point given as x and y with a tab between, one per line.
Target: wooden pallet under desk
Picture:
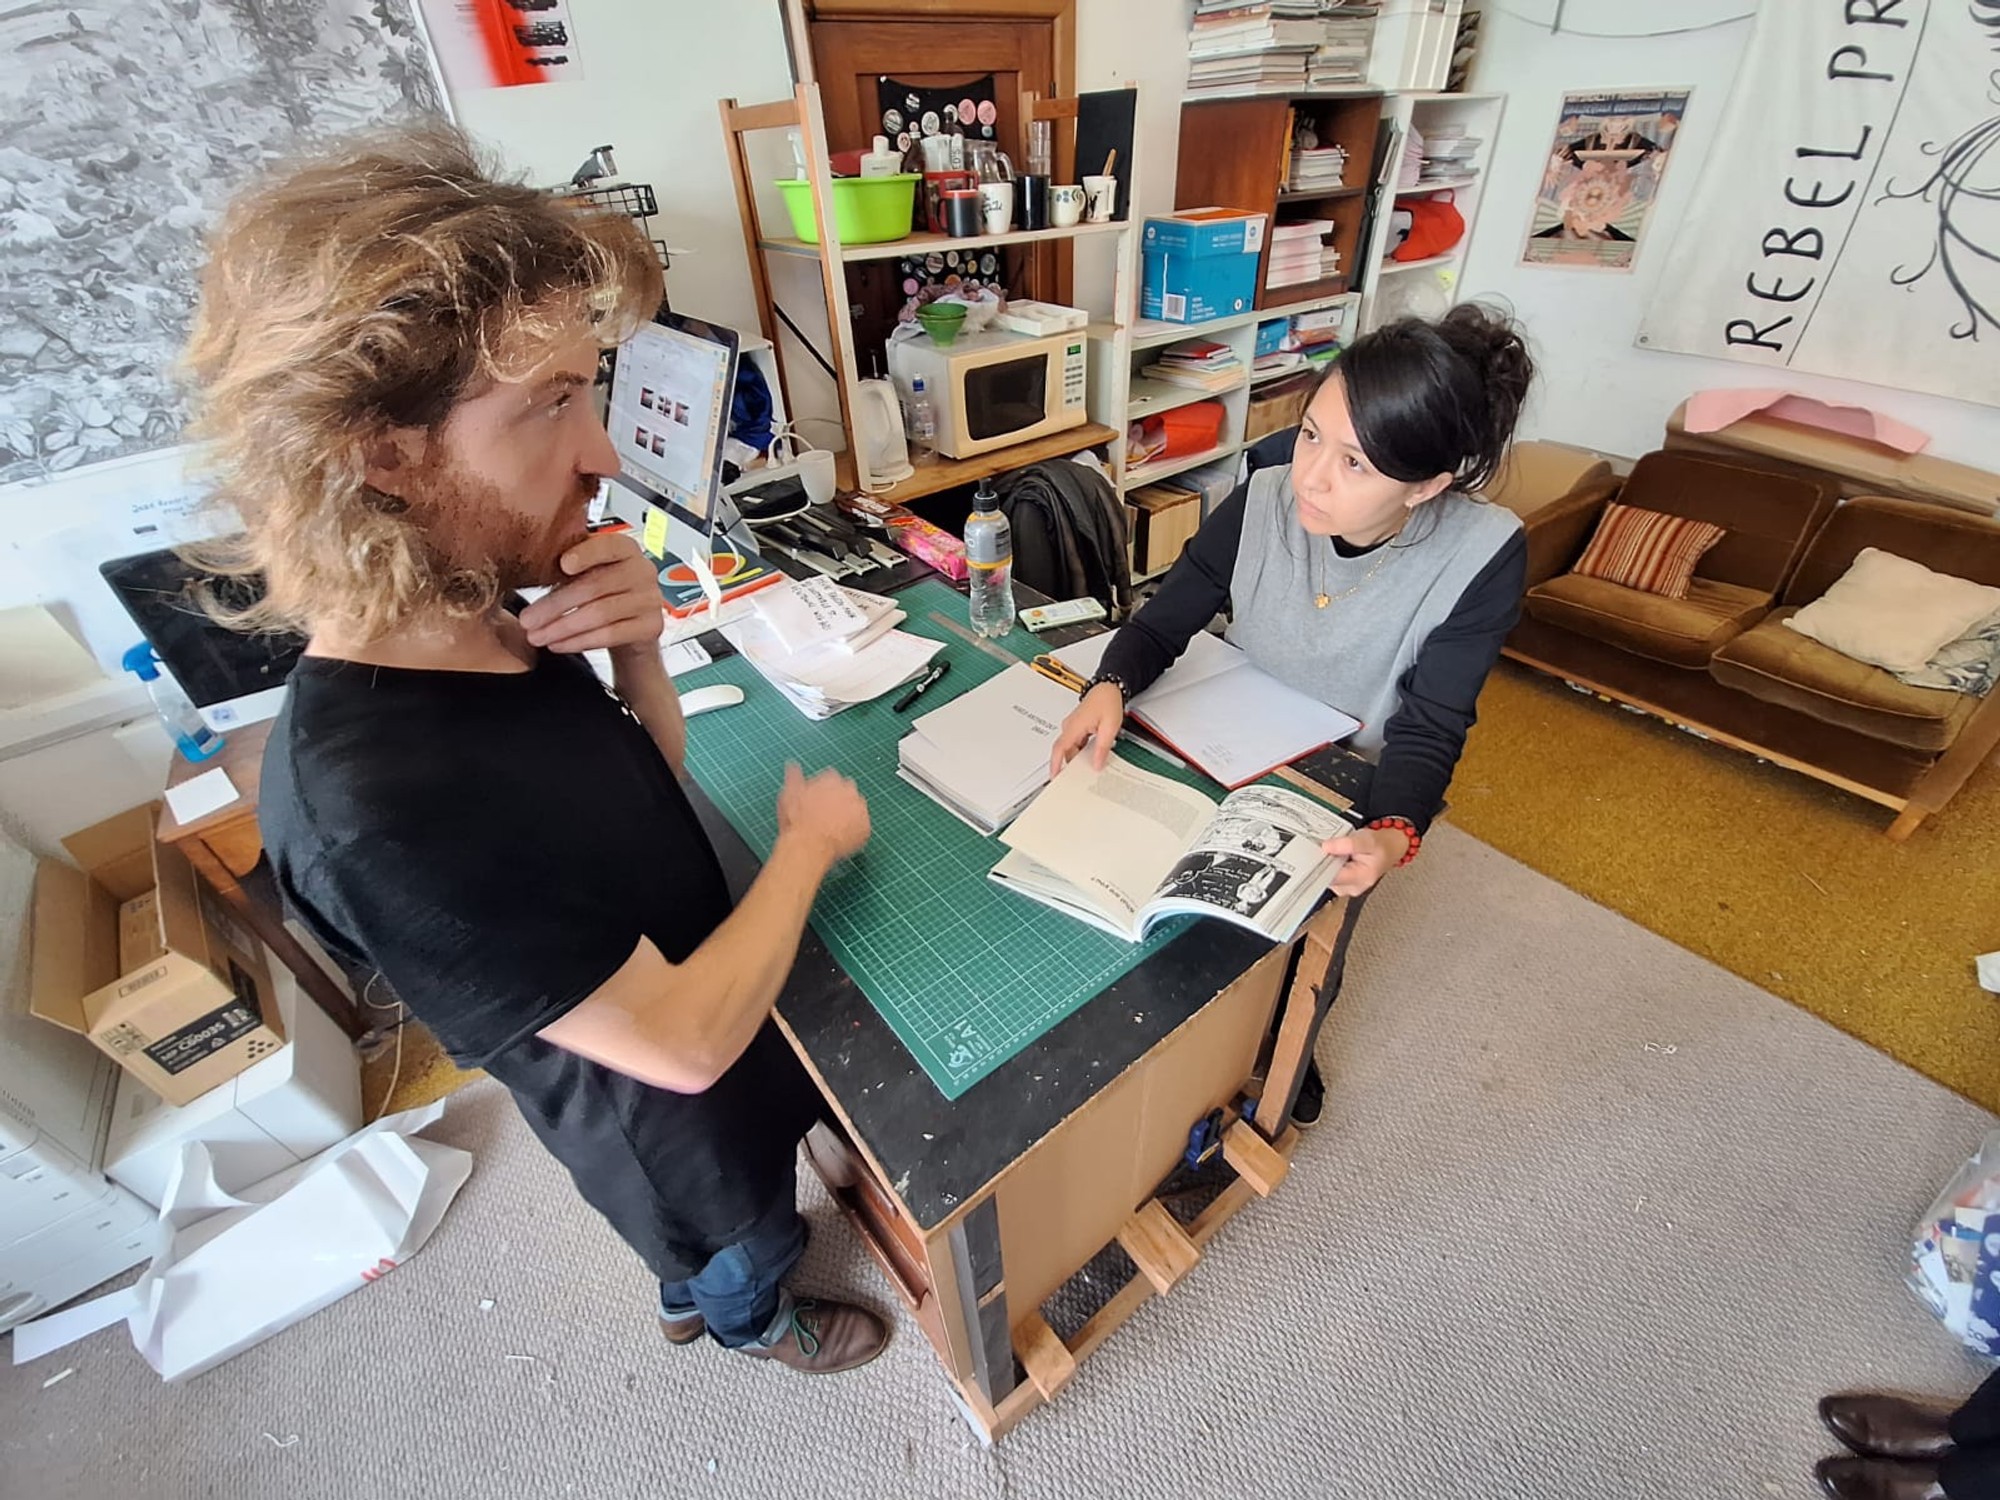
982	1280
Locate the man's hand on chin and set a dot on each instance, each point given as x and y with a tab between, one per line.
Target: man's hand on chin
610	600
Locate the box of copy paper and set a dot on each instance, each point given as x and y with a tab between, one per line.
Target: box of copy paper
912	534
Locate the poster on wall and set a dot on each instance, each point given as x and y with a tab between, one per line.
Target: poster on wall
1845	223
503	44
1602	178
125	129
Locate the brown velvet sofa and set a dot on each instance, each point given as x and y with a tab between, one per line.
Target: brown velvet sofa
1721	663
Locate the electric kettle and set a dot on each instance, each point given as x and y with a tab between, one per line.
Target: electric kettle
878	432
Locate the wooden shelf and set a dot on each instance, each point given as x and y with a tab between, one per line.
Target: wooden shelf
1150	333
923	244
1285	299
1150	397
1261	378
1354	91
1307	195
1166	468
949	473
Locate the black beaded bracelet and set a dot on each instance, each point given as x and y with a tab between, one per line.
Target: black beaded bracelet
1124	688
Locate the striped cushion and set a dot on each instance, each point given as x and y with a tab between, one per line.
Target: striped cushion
1647	549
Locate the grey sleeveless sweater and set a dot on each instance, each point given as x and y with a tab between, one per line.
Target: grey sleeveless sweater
1411	628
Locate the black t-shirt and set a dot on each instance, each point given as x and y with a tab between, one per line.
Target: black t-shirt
495	845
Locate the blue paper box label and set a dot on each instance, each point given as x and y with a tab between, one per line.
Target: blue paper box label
1235	234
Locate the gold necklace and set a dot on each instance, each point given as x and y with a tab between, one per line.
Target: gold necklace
1322	598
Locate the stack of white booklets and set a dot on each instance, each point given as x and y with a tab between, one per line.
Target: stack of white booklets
1124	850
1226	717
1317	167
1342	59
826	647
1247	48
984	755
1299	254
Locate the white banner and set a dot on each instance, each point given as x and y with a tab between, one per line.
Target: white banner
1847	221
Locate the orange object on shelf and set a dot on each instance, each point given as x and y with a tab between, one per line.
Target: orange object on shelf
1192	428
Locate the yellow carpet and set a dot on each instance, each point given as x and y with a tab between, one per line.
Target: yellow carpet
424	1074
1768	873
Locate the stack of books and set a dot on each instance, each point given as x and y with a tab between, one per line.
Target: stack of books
1258	47
1200	364
1342	58
826	647
984	755
1322	168
1300	254
1410	170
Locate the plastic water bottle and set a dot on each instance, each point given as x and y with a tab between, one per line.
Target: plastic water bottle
989	551
191	736
923	420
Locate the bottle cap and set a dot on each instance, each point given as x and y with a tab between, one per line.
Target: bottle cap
916	382
140	659
881	145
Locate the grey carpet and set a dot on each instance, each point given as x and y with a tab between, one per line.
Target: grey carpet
1587	1217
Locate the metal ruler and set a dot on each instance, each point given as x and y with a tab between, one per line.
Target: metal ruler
973	638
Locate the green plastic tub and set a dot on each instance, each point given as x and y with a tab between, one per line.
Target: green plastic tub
866	210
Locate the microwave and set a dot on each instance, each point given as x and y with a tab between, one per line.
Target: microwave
991	390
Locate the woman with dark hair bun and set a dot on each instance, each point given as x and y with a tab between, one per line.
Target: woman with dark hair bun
1362	572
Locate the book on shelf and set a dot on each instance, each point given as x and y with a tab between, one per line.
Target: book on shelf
1223	715
1124	849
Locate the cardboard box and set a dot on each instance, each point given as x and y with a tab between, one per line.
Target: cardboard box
1200	264
280	1111
198	1012
1279	405
1168	518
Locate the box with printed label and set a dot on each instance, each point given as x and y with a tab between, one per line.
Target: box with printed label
183	1002
1200	263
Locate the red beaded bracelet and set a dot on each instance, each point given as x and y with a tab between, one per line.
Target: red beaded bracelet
1408	830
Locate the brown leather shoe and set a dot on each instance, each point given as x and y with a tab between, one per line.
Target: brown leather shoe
684	1330
1886	1426
1877	1479
826	1338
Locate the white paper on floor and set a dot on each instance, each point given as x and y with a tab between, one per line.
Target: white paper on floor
231	1270
1989	971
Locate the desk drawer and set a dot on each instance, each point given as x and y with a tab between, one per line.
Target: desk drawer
882	1225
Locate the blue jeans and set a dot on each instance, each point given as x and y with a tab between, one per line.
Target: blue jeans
740	1293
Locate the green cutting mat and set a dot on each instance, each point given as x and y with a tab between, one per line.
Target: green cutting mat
966	974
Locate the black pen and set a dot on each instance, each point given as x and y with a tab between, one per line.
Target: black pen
917	688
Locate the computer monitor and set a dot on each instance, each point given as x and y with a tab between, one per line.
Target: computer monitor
233	678
671	393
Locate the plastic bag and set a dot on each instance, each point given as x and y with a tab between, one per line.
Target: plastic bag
1955	1252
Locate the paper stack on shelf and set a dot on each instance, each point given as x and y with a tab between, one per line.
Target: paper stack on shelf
1316	335
1410	169
1265	48
1321	168
826	647
984	755
1299	254
1342	58
1448	153
1199	364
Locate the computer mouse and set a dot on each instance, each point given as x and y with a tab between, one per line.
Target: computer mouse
701	700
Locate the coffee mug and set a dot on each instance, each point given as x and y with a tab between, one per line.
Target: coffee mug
1031	201
962	213
816	474
996	202
1100	197
1065	204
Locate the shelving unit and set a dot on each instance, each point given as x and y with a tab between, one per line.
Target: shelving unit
1427	286
1108	334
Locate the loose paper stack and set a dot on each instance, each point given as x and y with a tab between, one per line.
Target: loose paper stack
1200	364
826	647
1342	58
1317	168
984	755
1236	48
1299	254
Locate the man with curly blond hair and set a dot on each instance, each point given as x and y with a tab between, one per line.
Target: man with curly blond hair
393	357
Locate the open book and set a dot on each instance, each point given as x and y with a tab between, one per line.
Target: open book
1223	715
1124	849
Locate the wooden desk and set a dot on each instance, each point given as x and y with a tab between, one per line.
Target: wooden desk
227	850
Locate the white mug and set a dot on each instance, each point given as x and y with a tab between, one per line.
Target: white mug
996	201
1101	195
816	474
1065	205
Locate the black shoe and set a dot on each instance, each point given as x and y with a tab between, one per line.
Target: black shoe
1312	1097
1848	1478
1886	1426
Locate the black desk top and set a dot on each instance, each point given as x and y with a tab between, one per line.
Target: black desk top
937	1153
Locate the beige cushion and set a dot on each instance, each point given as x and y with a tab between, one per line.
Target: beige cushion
1783	667
1890	612
1679	632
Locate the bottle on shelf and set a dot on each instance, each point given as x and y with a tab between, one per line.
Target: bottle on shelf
989	555
183	721
922	424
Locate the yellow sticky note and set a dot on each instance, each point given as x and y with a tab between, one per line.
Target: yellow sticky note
654	539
